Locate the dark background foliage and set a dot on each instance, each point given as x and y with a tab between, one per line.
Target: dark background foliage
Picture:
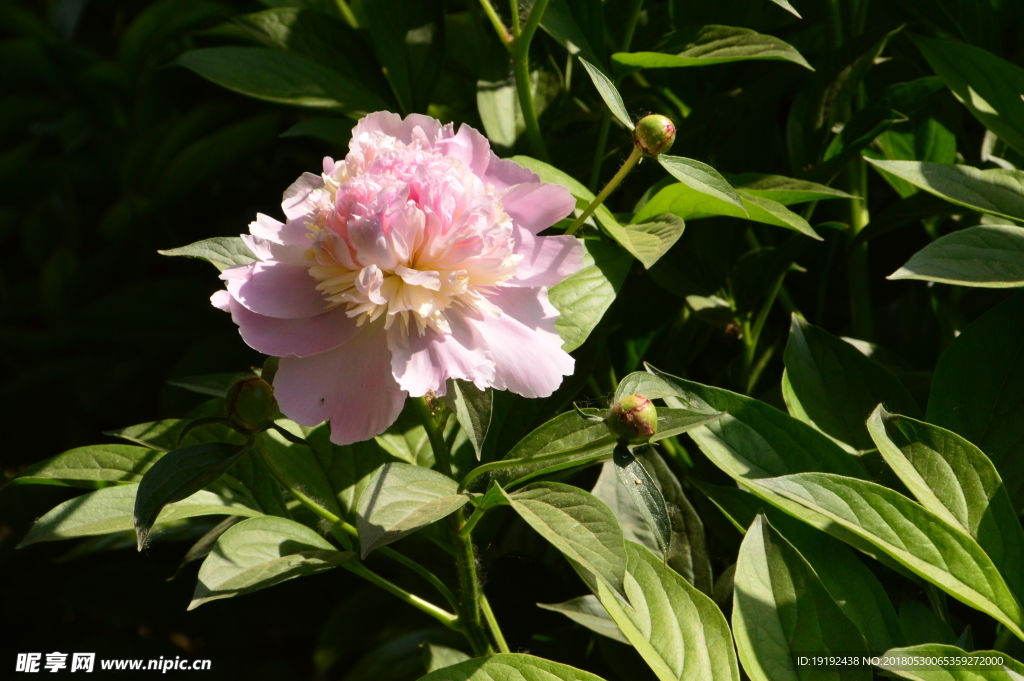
108	154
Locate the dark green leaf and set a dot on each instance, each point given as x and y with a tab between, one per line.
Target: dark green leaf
784	190
579	22
90	467
646	495
583	297
472	408
259	553
222	252
705	45
337	131
508	666
409	39
215	385
438	657
701	178
990	256
178	475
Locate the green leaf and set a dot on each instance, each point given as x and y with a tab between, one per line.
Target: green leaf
784	190
92	467
613	493
178	475
650	240
780	609
214	385
400	499
915	537
260	552
989	256
852	585
830	385
977	390
583	297
588	611
954	664
860	131
578	23
988	86
472	408
706	45
954	480
645	494
578	524
996	191
348	468
691	204
922	625
509	666
280	77
222	252
298	465
609	93
438	657
784	4
337	131
112	510
679	631
701	178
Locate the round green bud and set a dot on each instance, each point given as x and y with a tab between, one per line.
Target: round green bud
654	134
633	419
251	404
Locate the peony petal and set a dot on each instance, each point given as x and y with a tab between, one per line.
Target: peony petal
425	362
275	290
547	260
536	206
264	249
298	198
393	125
221	300
351	385
292	337
468	146
527	353
503	173
292	233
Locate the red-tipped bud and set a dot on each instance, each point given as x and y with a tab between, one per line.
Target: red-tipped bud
633	419
251	404
654	134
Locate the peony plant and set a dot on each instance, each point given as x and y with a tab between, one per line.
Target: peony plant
454	340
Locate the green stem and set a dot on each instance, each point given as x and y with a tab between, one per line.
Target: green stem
467	529
499	27
521	69
346	13
440	614
563	454
631	161
602	142
634	16
857	260
492	624
340	524
513	6
465	557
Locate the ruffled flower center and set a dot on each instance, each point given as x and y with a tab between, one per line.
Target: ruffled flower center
407	233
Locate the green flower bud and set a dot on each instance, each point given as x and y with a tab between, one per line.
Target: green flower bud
654	134
251	404
633	419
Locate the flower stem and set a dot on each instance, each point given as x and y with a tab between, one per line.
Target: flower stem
467	529
465	556
521	69
513	6
440	614
492	624
631	161
346	528
346	13
499	27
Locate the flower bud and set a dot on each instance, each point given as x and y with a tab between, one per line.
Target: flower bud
251	404
654	134
633	419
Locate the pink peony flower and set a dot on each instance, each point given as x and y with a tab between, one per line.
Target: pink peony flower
414	260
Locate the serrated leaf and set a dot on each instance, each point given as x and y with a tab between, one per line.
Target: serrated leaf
609	93
112	510
706	45
953	479
509	666
989	256
701	177
578	524
260	552
91	467
588	612
780	609
679	631
176	476
400	499
222	252
472	408
996	192
908	533
953	664
976	390
833	387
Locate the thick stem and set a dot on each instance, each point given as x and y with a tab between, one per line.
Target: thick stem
631	161
470	591
521	69
513	6
492	624
492	16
